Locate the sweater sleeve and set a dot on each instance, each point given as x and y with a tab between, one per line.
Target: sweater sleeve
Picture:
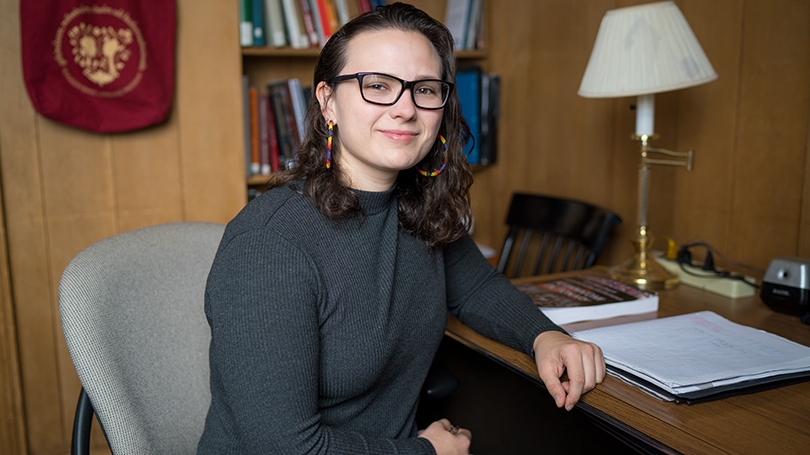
485	300
262	303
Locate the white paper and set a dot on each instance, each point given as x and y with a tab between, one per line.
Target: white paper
696	351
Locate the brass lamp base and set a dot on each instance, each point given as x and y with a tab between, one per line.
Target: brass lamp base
642	270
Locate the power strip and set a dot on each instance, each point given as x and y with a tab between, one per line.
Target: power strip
707	281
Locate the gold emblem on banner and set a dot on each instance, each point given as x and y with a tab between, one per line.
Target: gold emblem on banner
101	51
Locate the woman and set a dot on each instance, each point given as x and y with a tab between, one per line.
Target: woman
328	296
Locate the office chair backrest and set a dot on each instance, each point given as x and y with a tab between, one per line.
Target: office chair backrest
578	229
132	315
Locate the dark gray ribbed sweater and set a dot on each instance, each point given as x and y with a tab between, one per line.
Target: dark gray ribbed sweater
323	332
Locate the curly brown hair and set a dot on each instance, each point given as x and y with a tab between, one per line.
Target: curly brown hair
434	209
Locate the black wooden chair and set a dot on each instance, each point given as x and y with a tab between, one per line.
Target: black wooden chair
559	234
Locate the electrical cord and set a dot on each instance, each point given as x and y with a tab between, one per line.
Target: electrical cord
711	248
685	258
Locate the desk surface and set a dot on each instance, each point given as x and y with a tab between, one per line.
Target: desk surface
772	421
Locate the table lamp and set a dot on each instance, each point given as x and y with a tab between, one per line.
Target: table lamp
640	51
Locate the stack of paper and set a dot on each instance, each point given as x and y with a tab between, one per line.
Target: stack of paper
698	356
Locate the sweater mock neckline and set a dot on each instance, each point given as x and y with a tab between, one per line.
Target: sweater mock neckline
374	202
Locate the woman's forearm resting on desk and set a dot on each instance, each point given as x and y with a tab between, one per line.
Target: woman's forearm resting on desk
556	353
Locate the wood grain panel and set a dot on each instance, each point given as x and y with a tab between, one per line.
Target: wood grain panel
12	424
804	221
706	124
28	256
79	202
493	186
771	138
146	177
209	111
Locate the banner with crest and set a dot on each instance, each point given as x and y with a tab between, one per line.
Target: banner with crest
101	65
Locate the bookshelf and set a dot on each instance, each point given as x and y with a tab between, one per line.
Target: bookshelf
263	64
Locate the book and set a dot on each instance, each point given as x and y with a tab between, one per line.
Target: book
309	22
253	100
286	127
492	118
588	297
342	10
468	87
246	23
294	23
473	24
364	6
316	19
698	356
276	34
272	136
490	96
258	22
331	16
264	139
324	26
299	108
456	19
246	122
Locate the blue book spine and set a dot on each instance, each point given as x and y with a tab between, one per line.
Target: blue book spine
468	84
258	23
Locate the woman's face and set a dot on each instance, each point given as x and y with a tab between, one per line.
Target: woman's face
379	141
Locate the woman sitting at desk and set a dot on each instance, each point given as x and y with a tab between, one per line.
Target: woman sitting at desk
328	296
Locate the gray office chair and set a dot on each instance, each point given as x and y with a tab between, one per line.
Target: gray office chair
570	235
132	314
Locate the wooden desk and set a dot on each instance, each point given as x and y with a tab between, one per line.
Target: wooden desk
772	421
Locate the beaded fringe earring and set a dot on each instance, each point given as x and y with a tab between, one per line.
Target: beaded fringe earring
438	171
329	125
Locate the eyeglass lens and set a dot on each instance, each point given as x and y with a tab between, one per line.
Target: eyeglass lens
382	89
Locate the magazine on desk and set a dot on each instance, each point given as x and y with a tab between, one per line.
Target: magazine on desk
588	297
698	356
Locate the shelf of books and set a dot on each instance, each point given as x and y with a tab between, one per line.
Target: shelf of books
281	40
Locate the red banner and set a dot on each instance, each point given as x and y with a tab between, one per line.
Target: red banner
105	66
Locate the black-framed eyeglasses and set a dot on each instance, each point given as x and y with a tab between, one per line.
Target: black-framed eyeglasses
385	90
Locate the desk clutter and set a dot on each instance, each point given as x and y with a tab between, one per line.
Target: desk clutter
698	356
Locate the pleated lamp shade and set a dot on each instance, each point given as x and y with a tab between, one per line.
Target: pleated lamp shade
644	49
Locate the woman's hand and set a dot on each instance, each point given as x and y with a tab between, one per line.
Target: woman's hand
447	439
556	353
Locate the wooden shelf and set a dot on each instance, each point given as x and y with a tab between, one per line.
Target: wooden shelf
280	52
313	52
471	55
257	180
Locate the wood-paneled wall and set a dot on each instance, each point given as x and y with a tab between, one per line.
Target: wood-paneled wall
749	193
64	189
